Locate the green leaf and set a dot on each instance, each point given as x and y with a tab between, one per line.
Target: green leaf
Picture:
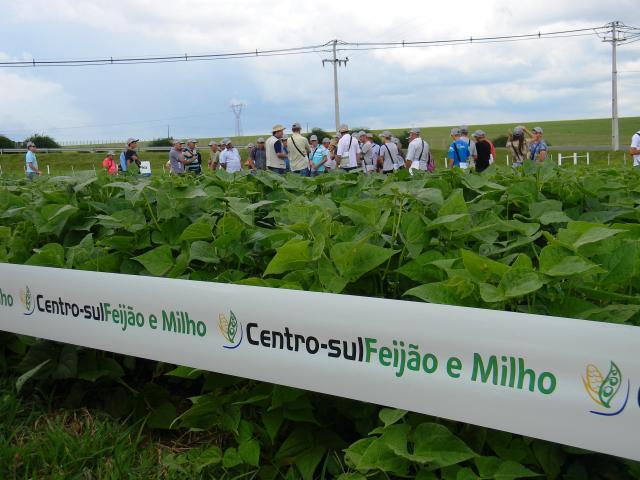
548	218
50	255
437	446
483	268
157	261
196	231
493	467
550	456
24	378
308	462
354	259
293	255
272	421
517	283
231	458
450	292
572	265
378	456
594	235
250	452
203	251
389	416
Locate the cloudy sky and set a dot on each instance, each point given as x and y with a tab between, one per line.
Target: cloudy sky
473	84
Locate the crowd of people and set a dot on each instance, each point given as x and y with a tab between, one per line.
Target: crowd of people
348	151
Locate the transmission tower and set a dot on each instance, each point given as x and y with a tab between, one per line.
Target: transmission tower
236	108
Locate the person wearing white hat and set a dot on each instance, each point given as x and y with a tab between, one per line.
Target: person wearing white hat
276	154
387	162
483	160
517	144
348	150
369	159
417	153
214	155
176	158
31	161
299	150
538	147
130	155
230	159
318	156
193	157
109	164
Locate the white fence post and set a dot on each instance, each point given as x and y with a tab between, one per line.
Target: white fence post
588	158
559	159
507	160
445	163
608	159
48	171
575	158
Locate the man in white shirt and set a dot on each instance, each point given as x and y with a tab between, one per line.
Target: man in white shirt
635	149
347	151
31	162
388	154
417	153
299	150
230	158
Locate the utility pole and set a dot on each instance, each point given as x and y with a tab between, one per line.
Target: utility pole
236	108
615	39
336	63
168	135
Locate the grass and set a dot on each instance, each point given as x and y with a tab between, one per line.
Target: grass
37	441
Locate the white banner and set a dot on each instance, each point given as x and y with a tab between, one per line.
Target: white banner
569	381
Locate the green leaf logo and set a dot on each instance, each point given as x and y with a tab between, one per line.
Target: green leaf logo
228	328
602	389
27	300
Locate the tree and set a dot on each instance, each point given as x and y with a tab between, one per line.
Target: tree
161	142
6	142
41	141
318	132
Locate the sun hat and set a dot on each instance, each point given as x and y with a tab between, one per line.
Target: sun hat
313	137
386	134
343	128
538	130
277	127
212	143
260	140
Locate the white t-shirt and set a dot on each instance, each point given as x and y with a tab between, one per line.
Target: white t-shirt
344	149
231	158
635	143
418	153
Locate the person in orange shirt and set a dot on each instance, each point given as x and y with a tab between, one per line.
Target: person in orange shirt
110	164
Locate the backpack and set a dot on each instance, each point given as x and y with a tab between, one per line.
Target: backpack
123	162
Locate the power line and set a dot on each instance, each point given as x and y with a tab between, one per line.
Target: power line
325	47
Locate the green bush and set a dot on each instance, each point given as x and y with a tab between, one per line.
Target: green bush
41	141
6	142
161	142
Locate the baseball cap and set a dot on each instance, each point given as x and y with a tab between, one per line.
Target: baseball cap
192	140
111	152
362	133
277	127
519	130
226	141
131	140
479	133
260	140
326	140
30	144
177	141
213	142
538	130
296	125
251	145
284	138
386	134
313	137
369	135
455	131
396	140
415	130
344	128
464	129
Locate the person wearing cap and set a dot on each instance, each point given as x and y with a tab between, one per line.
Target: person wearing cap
348	150
230	159
333	148
275	152
214	155
537	147
483	149
388	154
518	145
258	156
130	155
400	159
318	156
193	157
110	164
31	161
417	152
369	159
299	150
464	136
285	149
491	145
459	152
177	161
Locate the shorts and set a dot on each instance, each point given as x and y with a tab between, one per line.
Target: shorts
281	171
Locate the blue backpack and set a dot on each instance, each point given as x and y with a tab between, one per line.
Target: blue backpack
123	162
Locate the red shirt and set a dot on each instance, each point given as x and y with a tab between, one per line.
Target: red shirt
110	164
